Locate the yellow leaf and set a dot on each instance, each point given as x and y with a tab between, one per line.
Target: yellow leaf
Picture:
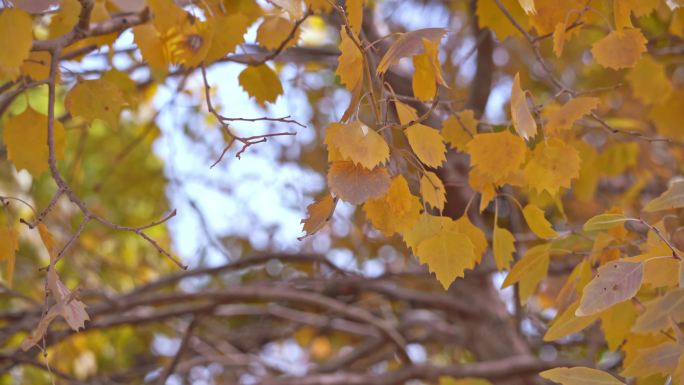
432	51
459	129
229	33
649	81
490	16
496	155
319	213
553	165
357	142
672	198
37	66
409	44
396	211
477	236
188	43
550	13
563	118
274	30
65	19
26	138
356	184
616	323
529	271
559	36
523	121
661	359
355	14
432	190
167	15
150	45
579	376
615	282
447	254
16	38
427	226
47	238
604	222
567	323
620	49
407	114
444	380
8	250
659	310
534	216
424	78
351	62
262	83
622	10
503	247
482	185
427	144
95	99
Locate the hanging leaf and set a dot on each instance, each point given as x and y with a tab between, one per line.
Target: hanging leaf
529	271
432	190
95	99
261	83
319	213
574	109
672	198
26	138
447	254
604	222
409	44
427	144
523	121
16	38
534	216
567	323
351	62
615	282
580	376
620	49
358	143
357	184
396	211
503	247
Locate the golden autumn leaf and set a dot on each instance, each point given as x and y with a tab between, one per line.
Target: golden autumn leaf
432	190
9	245
261	83
649	81
616	323
563	118
503	247
550	13
319	213
409	44
497	155
395	212
459	129
553	165
579	375
16	38
615	282
358	143
477	237
151	46
672	198
229	33
529	271
26	138
661	359
274	30
559	38
424	78
567	323
620	49
95	99
490	16
37	65
406	113
523	121
447	254
427	226
604	222
534	216
355	14
351	62
357	184
65	19
427	144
